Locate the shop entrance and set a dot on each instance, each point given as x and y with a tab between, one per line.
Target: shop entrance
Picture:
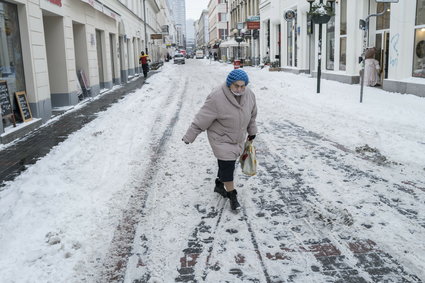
81	57
382	39
122	61
113	49
54	37
100	58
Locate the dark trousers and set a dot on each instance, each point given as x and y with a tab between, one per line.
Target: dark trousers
226	168
145	68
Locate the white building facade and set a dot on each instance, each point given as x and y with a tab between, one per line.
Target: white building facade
50	48
218	25
398	36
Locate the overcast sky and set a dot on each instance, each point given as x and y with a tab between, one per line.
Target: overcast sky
194	8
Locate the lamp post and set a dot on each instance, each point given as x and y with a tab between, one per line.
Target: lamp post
320	15
239	38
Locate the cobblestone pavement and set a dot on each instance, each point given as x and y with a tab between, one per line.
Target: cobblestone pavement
15	158
286	232
325	243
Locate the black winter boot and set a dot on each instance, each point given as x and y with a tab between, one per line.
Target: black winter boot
219	188
234	204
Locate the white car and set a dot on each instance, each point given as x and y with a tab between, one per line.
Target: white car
179	59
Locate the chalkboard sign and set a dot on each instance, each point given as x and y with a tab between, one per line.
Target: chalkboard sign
23	105
6	106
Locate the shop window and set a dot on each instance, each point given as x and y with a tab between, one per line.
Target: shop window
343	36
342	53
330	44
343	18
420	12
382	22
11	64
419	47
289	39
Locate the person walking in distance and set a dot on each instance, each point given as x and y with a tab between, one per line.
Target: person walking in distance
228	115
143	60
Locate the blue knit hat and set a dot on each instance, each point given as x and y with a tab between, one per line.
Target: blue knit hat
237	75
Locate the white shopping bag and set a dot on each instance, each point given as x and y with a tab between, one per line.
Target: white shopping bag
248	160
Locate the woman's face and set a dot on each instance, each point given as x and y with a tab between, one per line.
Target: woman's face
238	87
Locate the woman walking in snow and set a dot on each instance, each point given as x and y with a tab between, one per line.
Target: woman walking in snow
227	115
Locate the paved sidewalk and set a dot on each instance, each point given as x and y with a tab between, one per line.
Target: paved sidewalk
14	159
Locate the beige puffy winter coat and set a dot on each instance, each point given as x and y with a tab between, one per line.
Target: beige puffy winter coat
226	121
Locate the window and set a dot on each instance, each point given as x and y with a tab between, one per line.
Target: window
222	17
382	22
343	36
330	44
222	33
342	53
419	47
289	39
11	64
343	22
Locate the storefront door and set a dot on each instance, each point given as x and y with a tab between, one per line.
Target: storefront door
382	39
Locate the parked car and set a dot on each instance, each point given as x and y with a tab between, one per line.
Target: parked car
179	59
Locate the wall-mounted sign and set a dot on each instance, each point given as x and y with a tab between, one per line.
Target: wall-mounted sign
156	36
56	2
164	29
92	40
289	15
253	25
253	19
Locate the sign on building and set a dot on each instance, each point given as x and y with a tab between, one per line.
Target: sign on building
156	36
164	29
253	25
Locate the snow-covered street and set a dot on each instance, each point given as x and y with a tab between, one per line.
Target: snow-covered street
339	195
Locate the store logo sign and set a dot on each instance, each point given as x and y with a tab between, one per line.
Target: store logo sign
56	2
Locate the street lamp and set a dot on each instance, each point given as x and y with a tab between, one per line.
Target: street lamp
240	33
320	14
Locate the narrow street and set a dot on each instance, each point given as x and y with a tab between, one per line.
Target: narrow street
125	200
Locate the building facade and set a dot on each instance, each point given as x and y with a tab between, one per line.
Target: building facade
60	50
179	14
398	36
245	19
218	25
202	32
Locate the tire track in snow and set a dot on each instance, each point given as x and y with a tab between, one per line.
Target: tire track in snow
115	263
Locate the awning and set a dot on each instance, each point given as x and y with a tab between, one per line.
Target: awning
232	43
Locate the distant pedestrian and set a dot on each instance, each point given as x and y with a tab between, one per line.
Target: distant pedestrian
228	115
143	60
371	69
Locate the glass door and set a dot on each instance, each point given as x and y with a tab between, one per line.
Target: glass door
382	39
